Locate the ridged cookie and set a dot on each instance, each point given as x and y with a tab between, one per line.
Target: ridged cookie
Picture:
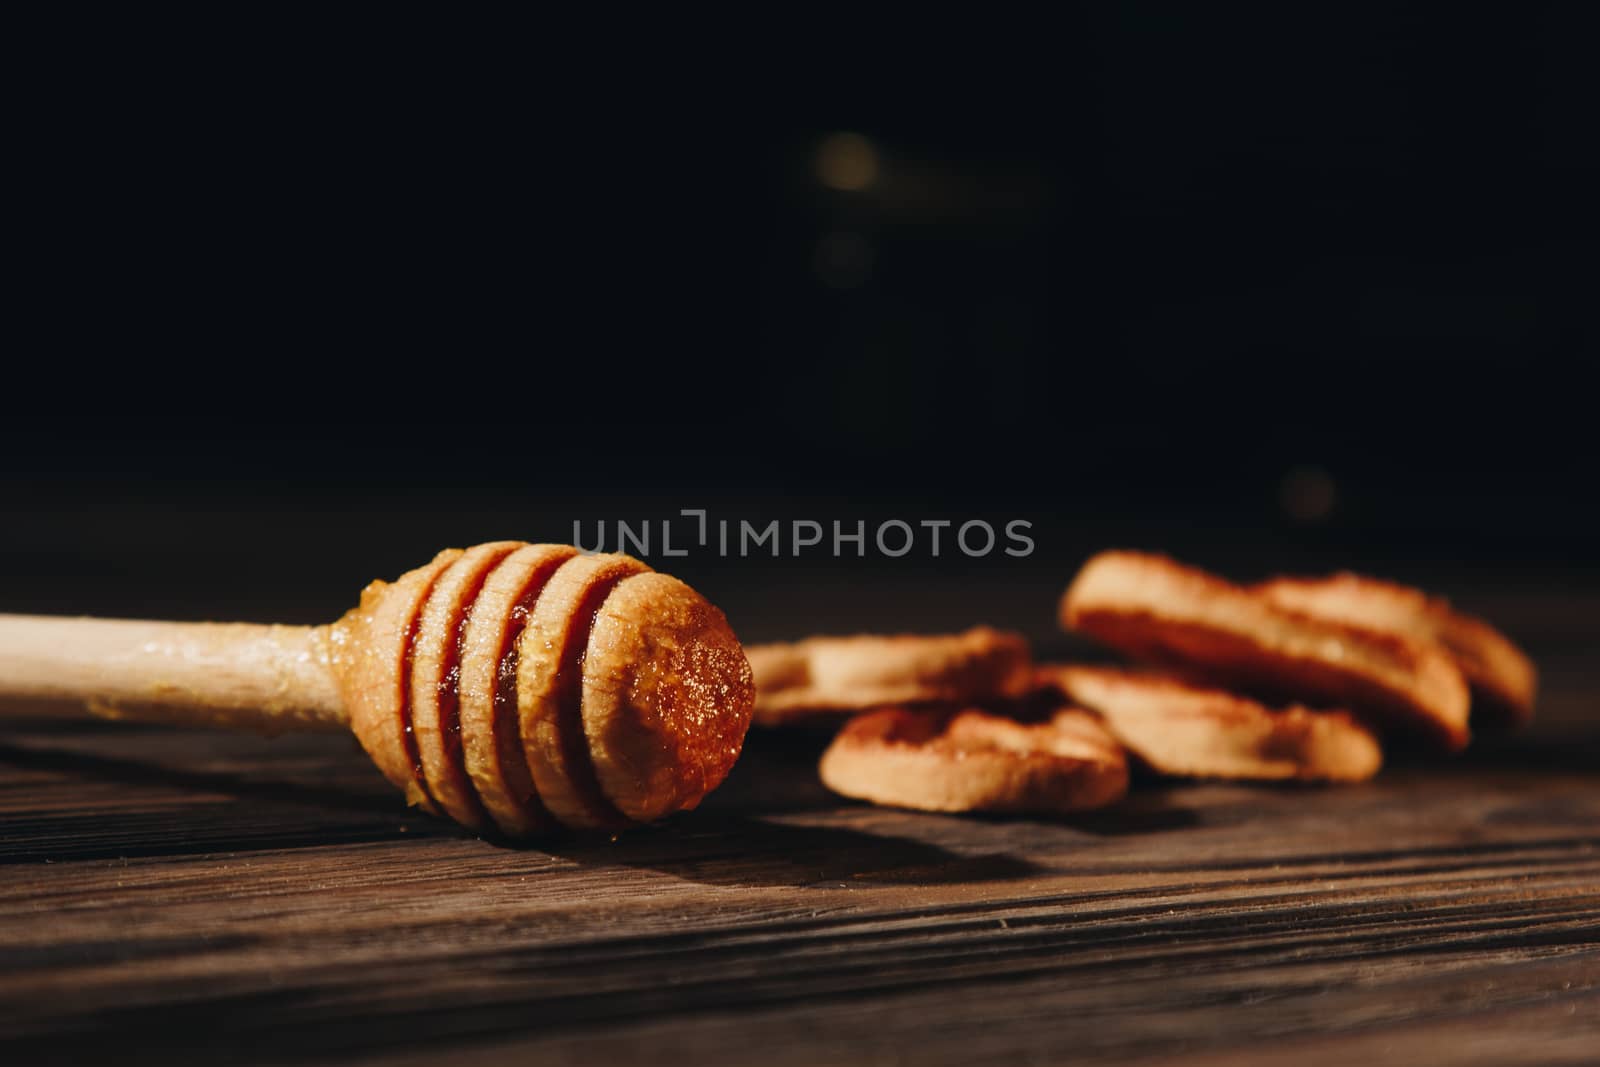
1503	680
974	761
1179	728
1155	608
830	676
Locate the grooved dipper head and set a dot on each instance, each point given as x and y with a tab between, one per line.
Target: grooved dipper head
520	688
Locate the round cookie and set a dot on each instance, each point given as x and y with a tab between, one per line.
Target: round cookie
1503	680
974	761
831	676
1179	728
1154	608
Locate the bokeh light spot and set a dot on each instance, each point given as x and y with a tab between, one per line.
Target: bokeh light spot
847	162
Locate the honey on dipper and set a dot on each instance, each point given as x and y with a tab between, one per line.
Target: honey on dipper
516	688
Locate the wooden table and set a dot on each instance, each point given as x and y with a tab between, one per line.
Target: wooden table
184	896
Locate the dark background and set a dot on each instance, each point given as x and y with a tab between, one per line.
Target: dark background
295	305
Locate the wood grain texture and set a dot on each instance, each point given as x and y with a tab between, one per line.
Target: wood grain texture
187	896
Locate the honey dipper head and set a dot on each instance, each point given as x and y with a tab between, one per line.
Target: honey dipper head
520	688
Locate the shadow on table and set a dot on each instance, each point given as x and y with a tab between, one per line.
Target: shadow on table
1570	753
246	810
251	812
746	850
754	830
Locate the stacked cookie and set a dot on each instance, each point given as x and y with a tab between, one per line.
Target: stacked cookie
1293	679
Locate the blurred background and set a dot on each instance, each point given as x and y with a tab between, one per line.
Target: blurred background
294	308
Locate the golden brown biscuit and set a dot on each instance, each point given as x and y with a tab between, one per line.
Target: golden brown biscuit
973	761
1503	680
823	676
1155	608
1179	728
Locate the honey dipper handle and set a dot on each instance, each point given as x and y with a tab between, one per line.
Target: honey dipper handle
271	679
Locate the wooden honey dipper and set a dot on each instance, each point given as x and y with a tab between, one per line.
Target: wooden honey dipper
513	687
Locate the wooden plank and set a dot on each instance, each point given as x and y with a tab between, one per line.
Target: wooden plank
181	896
